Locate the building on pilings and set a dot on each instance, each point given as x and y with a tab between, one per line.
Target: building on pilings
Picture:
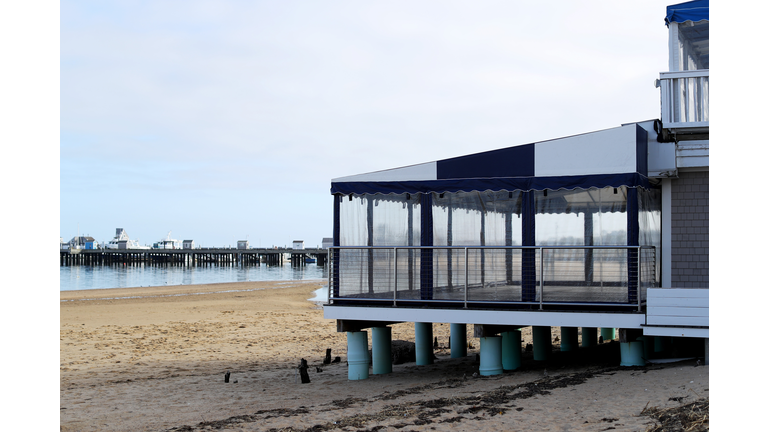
604	230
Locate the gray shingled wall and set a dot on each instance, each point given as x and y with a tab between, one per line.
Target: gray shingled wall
690	230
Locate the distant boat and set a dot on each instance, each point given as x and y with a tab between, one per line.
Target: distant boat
310	260
167	243
121	241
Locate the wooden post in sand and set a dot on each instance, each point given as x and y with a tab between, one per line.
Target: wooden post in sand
303	371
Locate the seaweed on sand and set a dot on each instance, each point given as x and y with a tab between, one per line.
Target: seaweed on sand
691	417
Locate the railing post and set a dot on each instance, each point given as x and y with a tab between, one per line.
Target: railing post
330	275
639	281
394	299
541	280
466	276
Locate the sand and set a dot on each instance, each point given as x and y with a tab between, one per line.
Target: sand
154	359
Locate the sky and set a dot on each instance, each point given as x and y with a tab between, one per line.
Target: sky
226	120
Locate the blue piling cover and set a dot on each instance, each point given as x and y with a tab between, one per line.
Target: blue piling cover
632	353
588	336
458	340
381	347
542	342
511	350
490	355
423	343
357	355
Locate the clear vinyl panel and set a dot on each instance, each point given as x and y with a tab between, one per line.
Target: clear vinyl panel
580	255
582	219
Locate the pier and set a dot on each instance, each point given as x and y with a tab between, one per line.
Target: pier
192	257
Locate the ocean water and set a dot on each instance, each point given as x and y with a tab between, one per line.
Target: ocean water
83	277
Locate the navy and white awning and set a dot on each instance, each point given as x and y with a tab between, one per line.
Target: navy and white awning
694	11
613	157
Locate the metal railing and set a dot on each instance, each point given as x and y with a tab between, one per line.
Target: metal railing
474	275
684	99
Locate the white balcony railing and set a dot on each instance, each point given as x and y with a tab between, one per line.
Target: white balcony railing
685	99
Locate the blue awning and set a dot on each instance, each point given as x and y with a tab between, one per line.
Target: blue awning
695	11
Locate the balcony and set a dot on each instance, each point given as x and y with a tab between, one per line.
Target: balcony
685	103
586	278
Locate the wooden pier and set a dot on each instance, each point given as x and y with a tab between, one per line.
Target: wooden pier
192	257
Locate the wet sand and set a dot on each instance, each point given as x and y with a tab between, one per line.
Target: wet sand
154	359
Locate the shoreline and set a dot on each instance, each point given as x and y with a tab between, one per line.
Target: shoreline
172	290
158	363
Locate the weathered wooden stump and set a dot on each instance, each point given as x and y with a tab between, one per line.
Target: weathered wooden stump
327	359
303	371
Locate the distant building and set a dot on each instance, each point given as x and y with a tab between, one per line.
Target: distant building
298	244
243	244
83	242
188	244
327	242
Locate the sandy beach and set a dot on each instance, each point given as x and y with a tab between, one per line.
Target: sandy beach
154	359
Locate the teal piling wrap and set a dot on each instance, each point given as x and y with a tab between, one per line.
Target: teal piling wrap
490	355
569	338
542	342
381	347
588	337
357	355
458	340
632	353
423	343
511	350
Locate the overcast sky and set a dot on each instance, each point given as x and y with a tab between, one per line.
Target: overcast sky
226	120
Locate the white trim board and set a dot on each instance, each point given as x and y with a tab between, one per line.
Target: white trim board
489	317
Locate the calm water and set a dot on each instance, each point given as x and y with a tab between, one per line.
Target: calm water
84	277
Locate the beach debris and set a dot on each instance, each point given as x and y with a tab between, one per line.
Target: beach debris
692	417
319	369
226	377
303	371
336	359
327	359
